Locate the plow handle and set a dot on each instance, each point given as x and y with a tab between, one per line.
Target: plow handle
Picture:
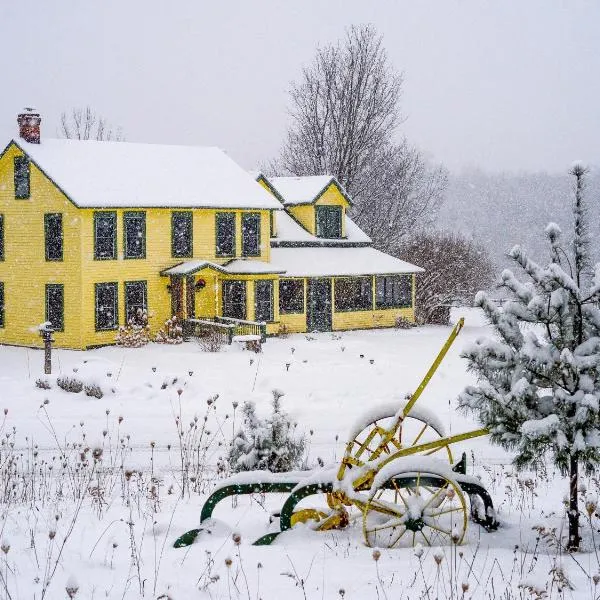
436	363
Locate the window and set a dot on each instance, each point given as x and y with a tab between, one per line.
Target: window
181	234
136	300
353	293
234	299
22	176
55	305
107	310
1	237
134	228
329	221
105	235
1	304
291	296
225	234
263	300
394	291
53	231
251	234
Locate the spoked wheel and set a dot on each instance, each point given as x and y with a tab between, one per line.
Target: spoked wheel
412	431
424	508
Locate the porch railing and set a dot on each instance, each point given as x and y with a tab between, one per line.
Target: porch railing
225	327
243	327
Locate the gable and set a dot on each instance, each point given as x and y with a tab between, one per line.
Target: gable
332	195
298	191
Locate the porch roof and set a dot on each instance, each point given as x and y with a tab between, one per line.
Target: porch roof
331	262
233	267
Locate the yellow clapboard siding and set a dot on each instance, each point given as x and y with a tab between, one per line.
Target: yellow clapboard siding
25	271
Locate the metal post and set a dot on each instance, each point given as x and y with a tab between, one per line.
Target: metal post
46	333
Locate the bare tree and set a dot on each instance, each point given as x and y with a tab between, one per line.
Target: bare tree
456	268
86	124
345	114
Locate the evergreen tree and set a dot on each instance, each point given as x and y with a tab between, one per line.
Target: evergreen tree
266	445
539	378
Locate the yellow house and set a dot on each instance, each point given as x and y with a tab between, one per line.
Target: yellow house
90	232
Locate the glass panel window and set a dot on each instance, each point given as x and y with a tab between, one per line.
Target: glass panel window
263	300
251	234
22	177
234	299
136	301
393	291
329	221
225	234
1	304
105	235
182	234
291	296
107	310
1	237
353	293
53	231
134	226
55	305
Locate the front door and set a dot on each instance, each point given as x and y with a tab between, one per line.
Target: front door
234	299
177	297
190	297
318	313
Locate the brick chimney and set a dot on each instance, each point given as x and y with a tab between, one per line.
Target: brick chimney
29	125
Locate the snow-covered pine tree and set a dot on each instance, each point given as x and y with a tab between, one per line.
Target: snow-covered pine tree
538	388
266	445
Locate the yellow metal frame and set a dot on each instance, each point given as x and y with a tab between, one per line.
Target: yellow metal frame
383	454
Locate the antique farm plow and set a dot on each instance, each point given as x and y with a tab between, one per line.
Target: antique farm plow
404	494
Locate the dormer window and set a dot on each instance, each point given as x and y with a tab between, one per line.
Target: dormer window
329	221
22	184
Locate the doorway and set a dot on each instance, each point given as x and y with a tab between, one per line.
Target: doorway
318	310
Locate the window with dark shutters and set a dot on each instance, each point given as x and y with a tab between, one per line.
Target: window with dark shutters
136	300
329	221
393	291
55	305
134	226
225	234
1	304
181	234
263	300
291	296
107	315
22	177
53	232
251	234
353	293
105	235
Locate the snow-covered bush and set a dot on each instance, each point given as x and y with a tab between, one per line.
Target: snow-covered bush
137	331
69	384
171	333
269	444
403	323
539	377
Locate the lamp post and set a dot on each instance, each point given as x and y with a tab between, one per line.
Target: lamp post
46	331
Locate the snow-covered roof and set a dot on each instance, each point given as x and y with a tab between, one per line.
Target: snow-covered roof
290	231
234	267
326	262
122	174
302	190
241	266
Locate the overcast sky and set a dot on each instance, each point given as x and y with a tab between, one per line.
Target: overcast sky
511	84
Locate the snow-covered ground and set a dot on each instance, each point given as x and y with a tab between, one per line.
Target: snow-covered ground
119	535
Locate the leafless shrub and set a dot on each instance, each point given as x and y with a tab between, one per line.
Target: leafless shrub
211	340
456	268
43	384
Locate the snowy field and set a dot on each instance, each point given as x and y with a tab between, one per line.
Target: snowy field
107	526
